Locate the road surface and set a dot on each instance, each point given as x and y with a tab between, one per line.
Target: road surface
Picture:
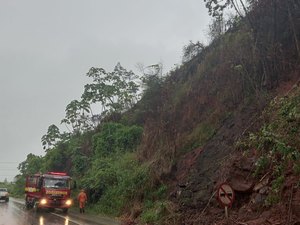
14	213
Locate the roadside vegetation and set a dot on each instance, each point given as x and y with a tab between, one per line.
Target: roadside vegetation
277	145
128	138
99	149
7	185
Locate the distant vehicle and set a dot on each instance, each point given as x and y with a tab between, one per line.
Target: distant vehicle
51	190
4	195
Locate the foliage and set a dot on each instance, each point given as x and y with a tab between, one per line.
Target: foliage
217	8
33	164
154	212
176	110
55	160
116	91
50	139
151	215
116	137
277	143
17	188
274	197
191	50
7	185
155	204
216	28
76	116
120	179
110	173
80	162
152	82
261	165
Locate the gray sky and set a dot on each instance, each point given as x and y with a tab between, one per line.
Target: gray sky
46	48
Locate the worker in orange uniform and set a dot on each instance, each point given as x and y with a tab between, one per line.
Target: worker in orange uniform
82	199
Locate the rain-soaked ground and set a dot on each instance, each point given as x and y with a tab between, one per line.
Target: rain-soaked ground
14	213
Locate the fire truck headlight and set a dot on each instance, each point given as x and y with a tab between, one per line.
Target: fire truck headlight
43	201
69	202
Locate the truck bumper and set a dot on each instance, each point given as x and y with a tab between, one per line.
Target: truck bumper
4	198
50	203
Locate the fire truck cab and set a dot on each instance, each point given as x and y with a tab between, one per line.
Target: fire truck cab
51	190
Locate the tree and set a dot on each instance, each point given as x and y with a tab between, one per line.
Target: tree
50	139
77	116
216	8
191	50
217	28
127	88
80	162
116	91
57	159
33	164
115	137
152	83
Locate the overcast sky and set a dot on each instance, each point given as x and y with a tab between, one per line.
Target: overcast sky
46	48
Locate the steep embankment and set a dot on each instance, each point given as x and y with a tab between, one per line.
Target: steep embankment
209	103
262	168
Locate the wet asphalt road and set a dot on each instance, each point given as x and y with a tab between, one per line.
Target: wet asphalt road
14	213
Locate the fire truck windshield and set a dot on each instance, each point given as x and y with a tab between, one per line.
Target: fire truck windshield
56	183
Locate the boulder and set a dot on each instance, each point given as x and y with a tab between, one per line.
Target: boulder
241	184
261	184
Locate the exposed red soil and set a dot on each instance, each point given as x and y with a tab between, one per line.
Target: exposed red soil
249	207
200	172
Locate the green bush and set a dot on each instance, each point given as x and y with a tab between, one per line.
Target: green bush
153	212
277	143
261	164
116	137
120	178
274	196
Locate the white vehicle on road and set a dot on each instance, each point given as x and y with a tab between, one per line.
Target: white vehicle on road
4	195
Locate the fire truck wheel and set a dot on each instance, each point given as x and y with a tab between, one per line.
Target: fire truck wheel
28	205
35	207
51	209
65	210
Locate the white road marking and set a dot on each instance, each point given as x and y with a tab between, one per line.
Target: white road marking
67	218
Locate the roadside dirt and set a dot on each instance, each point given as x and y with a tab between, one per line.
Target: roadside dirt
201	171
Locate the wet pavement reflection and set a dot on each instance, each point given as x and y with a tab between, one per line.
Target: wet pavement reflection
14	213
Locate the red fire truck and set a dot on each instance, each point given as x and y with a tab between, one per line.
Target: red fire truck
51	190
